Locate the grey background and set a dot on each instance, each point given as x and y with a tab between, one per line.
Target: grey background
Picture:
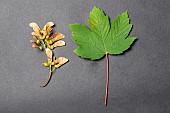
139	80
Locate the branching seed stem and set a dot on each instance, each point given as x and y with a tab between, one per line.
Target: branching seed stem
49	77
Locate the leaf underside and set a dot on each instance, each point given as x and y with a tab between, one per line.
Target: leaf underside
102	37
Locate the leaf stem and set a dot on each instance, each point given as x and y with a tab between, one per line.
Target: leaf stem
107	80
49	77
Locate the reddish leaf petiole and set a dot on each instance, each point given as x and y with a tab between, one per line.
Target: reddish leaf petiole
107	80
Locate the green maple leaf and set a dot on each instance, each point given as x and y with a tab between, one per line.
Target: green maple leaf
102	38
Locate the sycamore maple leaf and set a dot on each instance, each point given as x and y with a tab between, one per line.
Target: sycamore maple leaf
102	38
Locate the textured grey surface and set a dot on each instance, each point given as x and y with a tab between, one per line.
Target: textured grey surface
139	80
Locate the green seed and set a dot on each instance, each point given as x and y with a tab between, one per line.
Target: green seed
49	46
45	64
37	41
41	37
57	66
47	37
40	47
52	63
52	47
49	62
50	41
41	31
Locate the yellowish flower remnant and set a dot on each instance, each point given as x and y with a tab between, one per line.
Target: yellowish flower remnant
45	41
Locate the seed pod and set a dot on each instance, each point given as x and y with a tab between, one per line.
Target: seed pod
36	29
34	46
48	28
61	60
59	43
32	41
49	54
34	37
57	36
